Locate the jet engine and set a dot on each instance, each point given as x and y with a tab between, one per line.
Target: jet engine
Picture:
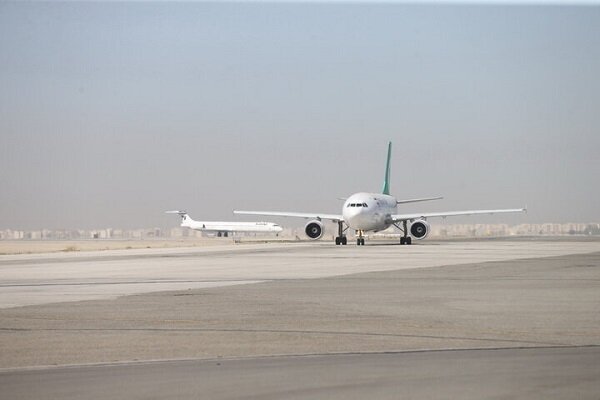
420	229
314	230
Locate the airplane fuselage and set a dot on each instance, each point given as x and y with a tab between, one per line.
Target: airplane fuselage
369	211
222	226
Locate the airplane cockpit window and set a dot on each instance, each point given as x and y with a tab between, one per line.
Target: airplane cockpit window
358	205
365	205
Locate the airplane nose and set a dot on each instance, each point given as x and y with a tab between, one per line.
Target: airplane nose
356	216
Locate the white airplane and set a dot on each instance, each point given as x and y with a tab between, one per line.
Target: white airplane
221	228
364	212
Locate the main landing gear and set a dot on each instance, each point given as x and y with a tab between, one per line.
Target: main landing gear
341	239
405	239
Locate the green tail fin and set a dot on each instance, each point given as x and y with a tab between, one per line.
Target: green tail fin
386	180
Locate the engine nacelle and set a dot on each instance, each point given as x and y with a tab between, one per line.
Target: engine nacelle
314	230
420	229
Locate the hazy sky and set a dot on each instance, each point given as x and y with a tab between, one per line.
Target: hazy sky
111	113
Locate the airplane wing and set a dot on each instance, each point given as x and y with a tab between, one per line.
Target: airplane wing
418	200
407	217
332	217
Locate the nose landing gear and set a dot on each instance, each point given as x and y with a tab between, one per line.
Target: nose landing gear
360	241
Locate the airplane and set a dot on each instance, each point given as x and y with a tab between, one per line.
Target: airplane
221	228
366	212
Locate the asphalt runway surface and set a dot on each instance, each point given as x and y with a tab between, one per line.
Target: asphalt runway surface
540	373
64	277
442	320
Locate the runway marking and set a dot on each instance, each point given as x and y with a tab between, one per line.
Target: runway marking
134	282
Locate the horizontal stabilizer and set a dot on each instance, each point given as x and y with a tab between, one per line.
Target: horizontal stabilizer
176	212
183	214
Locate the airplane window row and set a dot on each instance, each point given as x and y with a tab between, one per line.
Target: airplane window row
357	205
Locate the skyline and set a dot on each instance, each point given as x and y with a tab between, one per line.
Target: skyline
111	114
438	230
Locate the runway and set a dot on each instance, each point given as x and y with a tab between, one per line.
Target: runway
63	277
435	320
540	373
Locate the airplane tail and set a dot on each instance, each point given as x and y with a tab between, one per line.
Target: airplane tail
183	214
386	179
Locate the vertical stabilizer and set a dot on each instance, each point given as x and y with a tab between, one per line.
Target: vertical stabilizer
185	218
386	180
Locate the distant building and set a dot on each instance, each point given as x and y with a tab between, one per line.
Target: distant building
439	230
